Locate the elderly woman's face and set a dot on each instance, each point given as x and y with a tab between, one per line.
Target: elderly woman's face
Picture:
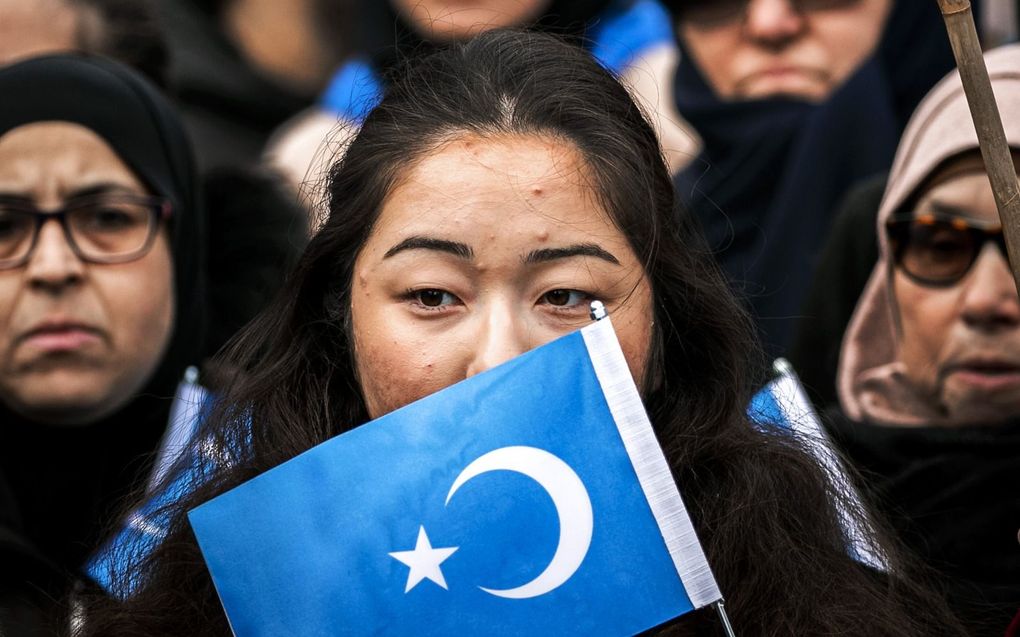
77	339
961	343
452	20
751	49
487	248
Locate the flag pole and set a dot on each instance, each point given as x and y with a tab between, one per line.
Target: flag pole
720	607
992	139
597	312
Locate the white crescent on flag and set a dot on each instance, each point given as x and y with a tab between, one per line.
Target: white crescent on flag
569	496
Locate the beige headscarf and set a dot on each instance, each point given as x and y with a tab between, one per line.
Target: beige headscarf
870	379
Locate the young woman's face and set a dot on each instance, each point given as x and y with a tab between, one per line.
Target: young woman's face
77	339
961	343
486	248
751	49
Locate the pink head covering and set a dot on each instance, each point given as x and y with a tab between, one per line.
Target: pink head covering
870	380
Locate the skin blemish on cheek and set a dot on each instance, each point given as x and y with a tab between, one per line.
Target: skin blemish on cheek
536	191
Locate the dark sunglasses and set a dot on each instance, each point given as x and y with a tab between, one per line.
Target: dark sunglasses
707	13
938	250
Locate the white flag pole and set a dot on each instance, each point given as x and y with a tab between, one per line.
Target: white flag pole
650	465
720	607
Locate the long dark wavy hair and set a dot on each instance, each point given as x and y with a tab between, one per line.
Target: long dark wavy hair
764	510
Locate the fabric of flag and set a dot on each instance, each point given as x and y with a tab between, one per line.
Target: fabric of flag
783	403
532	499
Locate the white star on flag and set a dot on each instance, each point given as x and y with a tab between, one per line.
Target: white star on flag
424	561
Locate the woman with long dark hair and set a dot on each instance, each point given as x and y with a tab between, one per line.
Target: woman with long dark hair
512	143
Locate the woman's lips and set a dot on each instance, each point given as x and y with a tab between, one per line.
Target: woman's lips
775	80
62	338
986	375
780	71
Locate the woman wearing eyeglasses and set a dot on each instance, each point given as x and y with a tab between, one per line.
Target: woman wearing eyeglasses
101	310
795	101
929	375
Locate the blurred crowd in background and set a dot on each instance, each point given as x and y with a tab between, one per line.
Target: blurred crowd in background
819	143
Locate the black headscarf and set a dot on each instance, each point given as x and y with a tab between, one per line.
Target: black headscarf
63	484
773	170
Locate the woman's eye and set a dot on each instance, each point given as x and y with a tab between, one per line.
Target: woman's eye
565	298
432	298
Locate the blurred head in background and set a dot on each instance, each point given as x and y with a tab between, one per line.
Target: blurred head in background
750	49
444	21
34	28
796	101
296	44
125	30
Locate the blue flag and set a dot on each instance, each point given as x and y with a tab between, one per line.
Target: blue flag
530	499
783	403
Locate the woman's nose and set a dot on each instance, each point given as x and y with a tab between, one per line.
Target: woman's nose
500	337
990	297
773	22
53	264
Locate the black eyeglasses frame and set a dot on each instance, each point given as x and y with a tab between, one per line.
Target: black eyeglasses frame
160	208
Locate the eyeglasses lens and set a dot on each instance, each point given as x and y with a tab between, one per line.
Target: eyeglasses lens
16	230
102	231
109	231
936	252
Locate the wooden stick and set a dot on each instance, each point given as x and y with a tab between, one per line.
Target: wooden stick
992	139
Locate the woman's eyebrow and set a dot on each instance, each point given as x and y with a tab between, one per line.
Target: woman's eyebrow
949	210
577	250
455	248
77	192
101	188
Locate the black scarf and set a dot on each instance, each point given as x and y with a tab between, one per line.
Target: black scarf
60	486
953	495
773	170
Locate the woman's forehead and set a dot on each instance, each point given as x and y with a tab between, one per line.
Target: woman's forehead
960	184
473	180
49	157
50	135
525	159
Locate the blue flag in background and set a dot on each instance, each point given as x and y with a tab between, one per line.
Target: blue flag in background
530	499
783	403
